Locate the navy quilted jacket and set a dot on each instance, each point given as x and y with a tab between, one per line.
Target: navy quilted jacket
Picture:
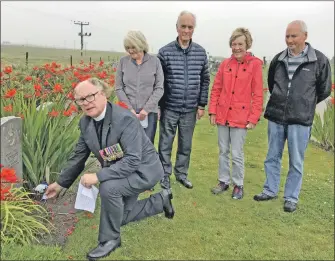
186	77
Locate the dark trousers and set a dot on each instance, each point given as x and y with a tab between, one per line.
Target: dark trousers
152	126
119	206
169	122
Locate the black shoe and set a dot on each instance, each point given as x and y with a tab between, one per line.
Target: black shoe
104	249
186	183
167	204
237	192
290	206
262	197
165	182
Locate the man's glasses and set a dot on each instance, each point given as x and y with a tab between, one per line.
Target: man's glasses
88	98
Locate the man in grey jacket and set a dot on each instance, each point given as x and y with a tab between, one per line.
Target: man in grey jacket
130	165
186	82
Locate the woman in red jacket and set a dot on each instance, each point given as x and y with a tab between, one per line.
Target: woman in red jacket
236	102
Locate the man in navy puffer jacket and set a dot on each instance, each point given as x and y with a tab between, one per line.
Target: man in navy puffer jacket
186	82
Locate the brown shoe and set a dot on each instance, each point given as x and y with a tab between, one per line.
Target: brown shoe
220	188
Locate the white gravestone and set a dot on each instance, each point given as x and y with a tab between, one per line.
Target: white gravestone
11	145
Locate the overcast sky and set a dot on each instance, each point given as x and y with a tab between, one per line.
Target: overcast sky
51	23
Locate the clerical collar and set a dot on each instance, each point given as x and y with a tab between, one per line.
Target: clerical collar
102	115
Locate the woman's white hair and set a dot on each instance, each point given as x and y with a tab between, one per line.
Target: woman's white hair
136	40
187	13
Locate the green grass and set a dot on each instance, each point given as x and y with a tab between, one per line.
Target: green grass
12	54
217	227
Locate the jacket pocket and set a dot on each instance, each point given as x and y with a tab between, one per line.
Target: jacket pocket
239	113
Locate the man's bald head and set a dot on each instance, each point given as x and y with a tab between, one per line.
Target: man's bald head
296	35
300	24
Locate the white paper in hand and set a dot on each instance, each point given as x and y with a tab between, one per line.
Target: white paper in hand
86	198
144	123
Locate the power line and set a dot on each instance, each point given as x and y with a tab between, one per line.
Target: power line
48	14
81	34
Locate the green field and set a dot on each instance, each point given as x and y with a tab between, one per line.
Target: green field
12	54
214	227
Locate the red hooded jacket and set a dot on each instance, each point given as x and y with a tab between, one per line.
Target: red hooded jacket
237	93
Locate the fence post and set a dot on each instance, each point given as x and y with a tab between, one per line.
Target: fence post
108	57
71	60
100	59
90	60
26	58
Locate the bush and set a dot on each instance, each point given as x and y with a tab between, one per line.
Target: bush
22	219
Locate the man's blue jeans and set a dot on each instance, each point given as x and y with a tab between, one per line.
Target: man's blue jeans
297	137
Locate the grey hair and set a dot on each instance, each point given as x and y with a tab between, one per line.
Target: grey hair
302	24
101	85
136	39
185	13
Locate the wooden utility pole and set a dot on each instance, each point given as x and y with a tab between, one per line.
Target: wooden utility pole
81	34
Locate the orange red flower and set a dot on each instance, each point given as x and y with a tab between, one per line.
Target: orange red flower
4	192
38	87
10	93
53	113
8	69
67	113
8	108
58	88
73	108
70	96
8	175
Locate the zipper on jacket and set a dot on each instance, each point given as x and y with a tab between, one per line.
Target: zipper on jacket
286	69
186	78
288	89
137	86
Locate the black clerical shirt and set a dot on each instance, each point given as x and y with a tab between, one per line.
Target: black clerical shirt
98	127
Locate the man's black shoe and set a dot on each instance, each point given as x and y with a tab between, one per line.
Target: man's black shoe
186	183
165	182
167	204
263	197
104	249
290	206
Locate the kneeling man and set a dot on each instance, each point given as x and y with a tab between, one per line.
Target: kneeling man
129	161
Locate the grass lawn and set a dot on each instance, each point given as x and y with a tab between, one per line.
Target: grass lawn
217	227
